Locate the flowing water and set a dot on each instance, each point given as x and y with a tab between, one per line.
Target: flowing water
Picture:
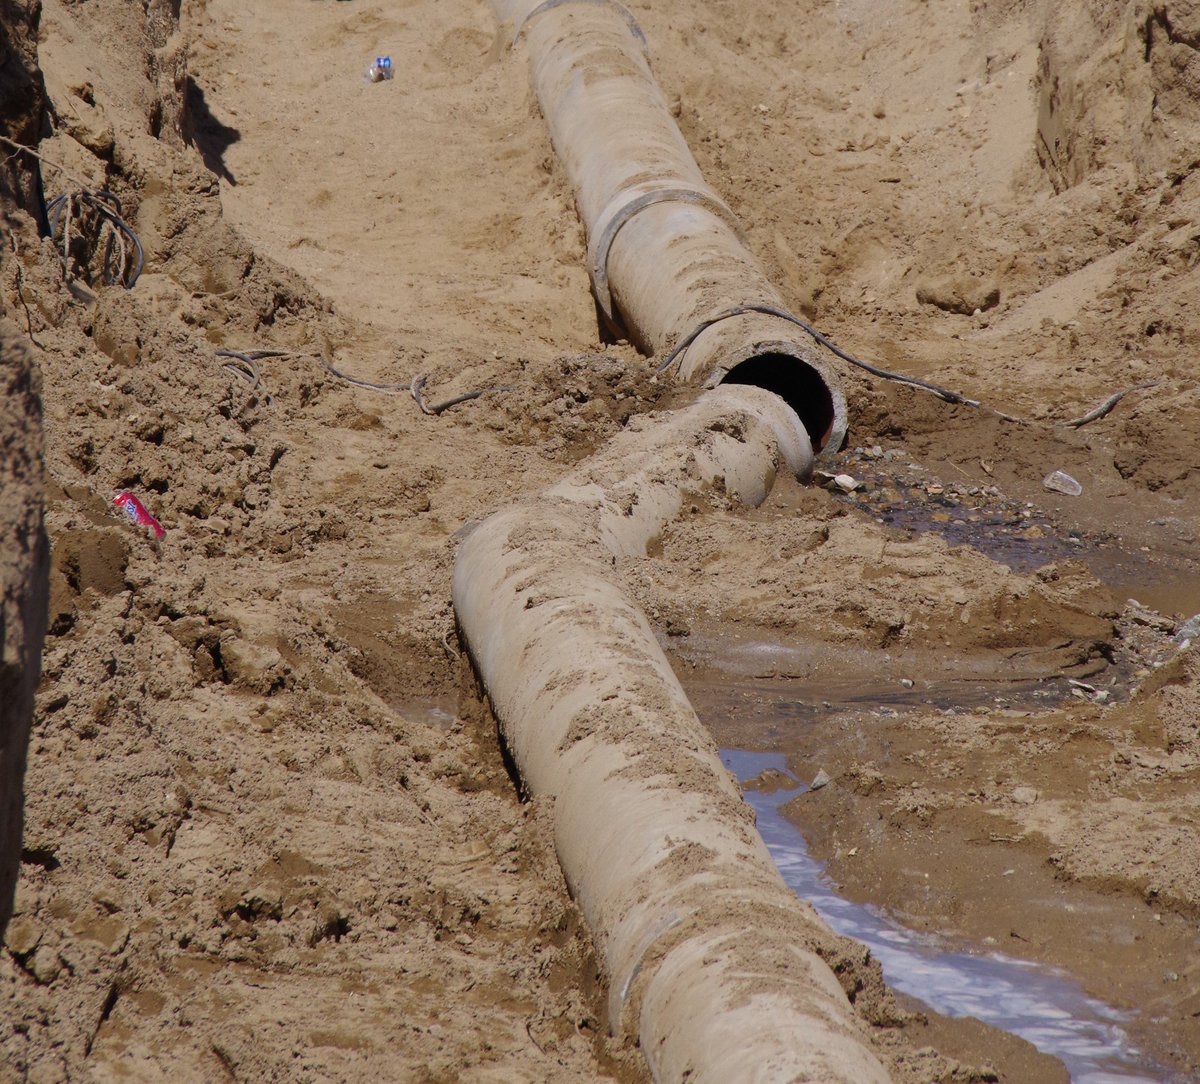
1026	999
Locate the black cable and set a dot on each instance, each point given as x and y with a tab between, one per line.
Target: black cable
770	310
418	386
99	202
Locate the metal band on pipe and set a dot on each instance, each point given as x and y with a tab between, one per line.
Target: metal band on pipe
613	220
626	14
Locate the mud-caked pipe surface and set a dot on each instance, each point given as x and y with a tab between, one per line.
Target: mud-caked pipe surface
665	252
708	954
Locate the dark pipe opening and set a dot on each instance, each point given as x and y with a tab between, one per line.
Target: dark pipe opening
797	384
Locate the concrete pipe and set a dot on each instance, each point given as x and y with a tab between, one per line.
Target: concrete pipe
709	955
665	253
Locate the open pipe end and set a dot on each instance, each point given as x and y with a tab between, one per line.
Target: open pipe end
820	405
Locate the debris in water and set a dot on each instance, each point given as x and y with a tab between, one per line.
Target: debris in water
1061	482
1188	631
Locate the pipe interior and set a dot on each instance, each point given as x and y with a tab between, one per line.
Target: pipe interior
797	384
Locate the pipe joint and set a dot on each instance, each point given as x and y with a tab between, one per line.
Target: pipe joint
634	28
622	208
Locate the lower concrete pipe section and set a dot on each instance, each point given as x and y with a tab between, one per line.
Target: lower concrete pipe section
708	954
665	253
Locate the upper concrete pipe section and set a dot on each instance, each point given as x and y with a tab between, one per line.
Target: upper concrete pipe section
665	253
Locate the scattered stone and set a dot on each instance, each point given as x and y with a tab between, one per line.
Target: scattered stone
907	682
1061	482
1025	795
846	483
1188	631
1143	615
822	779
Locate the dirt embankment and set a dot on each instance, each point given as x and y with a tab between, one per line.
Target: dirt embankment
268	832
24	552
23	592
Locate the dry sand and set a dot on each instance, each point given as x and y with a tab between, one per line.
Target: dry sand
269	831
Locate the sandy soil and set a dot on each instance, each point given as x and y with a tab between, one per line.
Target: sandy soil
269	831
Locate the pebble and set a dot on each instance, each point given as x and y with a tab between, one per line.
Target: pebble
1061	482
821	779
1025	795
907	682
845	482
1189	630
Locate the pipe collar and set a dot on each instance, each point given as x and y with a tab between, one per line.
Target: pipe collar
624	206
626	14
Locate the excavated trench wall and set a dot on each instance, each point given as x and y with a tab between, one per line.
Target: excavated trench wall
24	552
24	570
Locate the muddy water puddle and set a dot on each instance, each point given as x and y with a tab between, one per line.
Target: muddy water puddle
1035	1003
756	692
1144	549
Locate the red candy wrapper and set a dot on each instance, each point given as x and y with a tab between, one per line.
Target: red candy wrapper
136	511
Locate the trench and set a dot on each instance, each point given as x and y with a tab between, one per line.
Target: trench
1038	1004
585	699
